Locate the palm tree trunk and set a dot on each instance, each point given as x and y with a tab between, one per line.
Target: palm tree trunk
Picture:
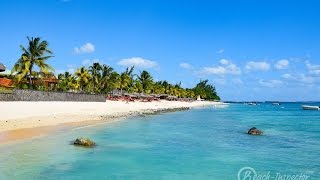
30	80
93	85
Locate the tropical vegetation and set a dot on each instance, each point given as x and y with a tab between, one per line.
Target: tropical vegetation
35	55
98	78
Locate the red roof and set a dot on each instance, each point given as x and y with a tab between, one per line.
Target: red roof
5	82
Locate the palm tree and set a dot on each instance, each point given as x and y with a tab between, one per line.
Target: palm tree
146	80
136	87
96	75
105	77
124	81
36	54
129	72
73	83
157	88
114	81
83	77
65	81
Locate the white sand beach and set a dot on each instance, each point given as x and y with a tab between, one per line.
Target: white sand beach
20	115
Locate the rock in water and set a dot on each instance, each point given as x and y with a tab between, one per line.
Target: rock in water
254	131
84	142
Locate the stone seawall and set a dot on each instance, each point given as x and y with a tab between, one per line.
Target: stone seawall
31	95
6	97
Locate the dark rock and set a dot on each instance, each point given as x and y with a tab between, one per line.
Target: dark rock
254	131
84	142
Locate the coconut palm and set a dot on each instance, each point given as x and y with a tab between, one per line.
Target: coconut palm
36	54
125	80
129	72
137	87
66	82
114	81
157	88
83	77
146	80
106	72
96	75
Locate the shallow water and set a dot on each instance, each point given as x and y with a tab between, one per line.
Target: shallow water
196	144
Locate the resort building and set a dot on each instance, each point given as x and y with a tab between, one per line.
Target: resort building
4	81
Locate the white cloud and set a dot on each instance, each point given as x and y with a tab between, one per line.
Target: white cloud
225	67
300	78
89	62
138	62
185	65
313	69
282	64
257	66
213	70
84	49
220	81
220	51
71	68
287	76
270	83
224	62
237	81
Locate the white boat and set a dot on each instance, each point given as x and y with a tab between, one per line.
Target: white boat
276	104
306	107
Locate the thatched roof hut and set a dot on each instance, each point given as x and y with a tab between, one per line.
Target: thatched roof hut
172	98
2	68
130	95
155	95
143	96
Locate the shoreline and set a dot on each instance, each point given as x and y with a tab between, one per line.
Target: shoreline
67	115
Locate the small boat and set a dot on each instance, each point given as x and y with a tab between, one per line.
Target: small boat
306	107
275	103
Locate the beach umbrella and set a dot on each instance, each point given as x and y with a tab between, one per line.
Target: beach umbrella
2	67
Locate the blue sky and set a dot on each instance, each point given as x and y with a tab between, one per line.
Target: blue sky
250	50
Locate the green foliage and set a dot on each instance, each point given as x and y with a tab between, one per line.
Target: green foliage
146	80
83	78
97	78
5	90
206	91
36	54
103	79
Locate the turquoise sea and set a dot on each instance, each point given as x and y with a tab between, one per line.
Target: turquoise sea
207	143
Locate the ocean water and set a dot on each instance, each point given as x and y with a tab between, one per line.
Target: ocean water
206	143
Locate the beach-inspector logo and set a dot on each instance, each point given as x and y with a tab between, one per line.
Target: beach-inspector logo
249	173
